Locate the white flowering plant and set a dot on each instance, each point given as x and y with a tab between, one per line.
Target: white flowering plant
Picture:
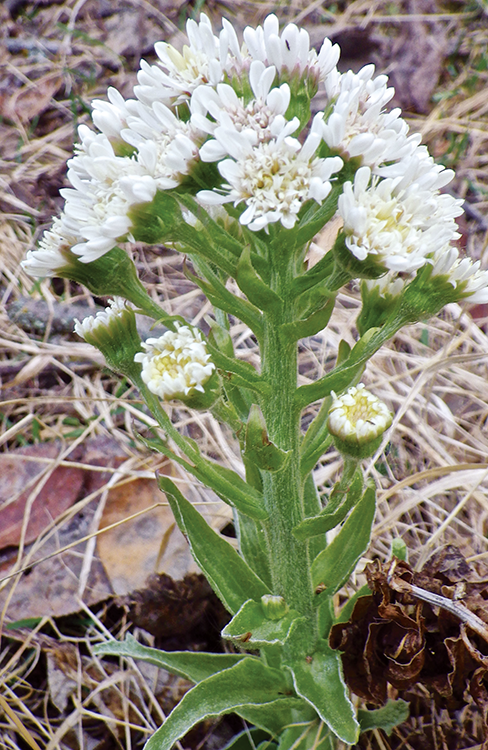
222	156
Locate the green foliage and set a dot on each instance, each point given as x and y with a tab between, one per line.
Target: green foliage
386	718
247	685
251	628
333	566
192	665
229	575
317	678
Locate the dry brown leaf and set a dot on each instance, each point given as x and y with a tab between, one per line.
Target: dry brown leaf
18	474
151	543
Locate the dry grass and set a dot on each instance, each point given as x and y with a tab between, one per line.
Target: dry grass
433	479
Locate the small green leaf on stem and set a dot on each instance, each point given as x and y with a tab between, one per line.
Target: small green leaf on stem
251	628
333	566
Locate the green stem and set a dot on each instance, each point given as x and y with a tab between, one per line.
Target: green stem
282	490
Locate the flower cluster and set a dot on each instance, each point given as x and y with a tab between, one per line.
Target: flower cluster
227	121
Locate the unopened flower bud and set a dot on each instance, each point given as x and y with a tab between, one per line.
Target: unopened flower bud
274	607
113	331
357	421
176	366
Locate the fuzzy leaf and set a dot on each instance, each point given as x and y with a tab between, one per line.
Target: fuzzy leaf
247	684
386	718
218	294
318	679
250	628
259	448
333	566
334	512
253	286
245	373
311	325
192	665
228	485
253	547
229	575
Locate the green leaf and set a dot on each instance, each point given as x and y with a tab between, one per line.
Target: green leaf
228	485
335	511
231	488
249	282
316	441
253	545
247	684
314	276
318	679
229	575
311	325
192	665
161	221
245	373
259	448
386	718
333	566
250	628
218	294
275	716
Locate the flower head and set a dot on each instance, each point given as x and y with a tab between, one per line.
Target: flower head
176	364
261	118
178	74
399	226
358	126
113	331
274	179
357	420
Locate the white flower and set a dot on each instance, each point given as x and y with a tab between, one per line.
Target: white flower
111	117
358	125
52	255
289	51
179	73
104	188
175	364
274	178
419	168
464	274
400	227
165	146
117	307
358	416
261	119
